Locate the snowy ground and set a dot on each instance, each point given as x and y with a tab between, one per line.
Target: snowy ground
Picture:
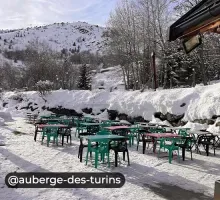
147	178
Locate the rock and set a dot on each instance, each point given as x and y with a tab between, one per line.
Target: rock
200	121
139	119
162	117
181	123
173	118
215	116
157	114
87	110
210	122
33	109
4	104
123	116
64	111
112	114
182	105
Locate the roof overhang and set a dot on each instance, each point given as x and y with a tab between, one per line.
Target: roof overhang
204	17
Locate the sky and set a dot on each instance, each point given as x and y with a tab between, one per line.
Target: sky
23	13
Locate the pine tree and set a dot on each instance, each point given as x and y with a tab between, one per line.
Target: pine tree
74	44
84	81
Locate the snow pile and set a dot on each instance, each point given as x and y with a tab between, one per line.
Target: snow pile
201	102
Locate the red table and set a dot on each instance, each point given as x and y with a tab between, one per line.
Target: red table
52	125
156	136
113	128
47	126
162	135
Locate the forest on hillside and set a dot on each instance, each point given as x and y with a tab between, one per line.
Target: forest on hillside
136	28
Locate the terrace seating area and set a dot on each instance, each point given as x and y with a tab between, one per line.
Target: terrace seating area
101	141
157	161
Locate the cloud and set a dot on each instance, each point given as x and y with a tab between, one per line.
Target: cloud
23	13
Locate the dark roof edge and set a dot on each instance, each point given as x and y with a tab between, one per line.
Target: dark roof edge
180	25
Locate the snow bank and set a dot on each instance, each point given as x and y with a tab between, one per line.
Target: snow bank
201	102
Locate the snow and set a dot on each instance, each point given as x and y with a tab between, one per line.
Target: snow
58	36
108	78
146	178
201	102
196	126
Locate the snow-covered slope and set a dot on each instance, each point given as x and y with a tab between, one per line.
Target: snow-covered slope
59	36
109	78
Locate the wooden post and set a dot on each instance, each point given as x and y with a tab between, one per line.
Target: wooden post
217	190
154	69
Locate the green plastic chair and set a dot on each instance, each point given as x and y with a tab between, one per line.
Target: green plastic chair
67	122
105	124
183	132
170	147
52	122
88	119
80	128
133	134
102	149
50	132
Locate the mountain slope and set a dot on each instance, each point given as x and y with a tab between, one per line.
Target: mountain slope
71	36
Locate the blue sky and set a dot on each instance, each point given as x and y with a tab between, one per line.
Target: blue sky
23	13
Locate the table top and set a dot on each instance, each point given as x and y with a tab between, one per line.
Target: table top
52	119
163	135
148	126
102	137
52	125
90	124
178	128
115	122
112	128
200	132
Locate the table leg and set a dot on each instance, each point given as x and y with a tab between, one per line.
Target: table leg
35	135
183	153
116	159
154	144
144	146
207	150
